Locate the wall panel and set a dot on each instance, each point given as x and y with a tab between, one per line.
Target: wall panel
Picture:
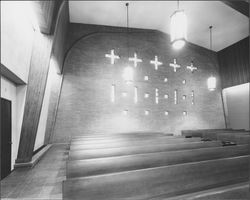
234	64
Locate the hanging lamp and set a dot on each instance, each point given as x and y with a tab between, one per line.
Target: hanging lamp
128	72
178	25
211	81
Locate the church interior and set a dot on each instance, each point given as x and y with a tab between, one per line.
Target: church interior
125	100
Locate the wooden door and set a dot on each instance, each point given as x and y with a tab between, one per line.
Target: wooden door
5	138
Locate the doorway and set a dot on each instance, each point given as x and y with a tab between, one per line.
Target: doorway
5	138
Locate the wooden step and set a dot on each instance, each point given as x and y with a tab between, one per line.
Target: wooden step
92	167
110	152
132	143
168	180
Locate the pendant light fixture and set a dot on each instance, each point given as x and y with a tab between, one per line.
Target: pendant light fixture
128	71
211	81
178	25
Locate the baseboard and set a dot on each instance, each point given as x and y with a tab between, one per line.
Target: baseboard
35	158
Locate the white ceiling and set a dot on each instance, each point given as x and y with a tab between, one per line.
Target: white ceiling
229	26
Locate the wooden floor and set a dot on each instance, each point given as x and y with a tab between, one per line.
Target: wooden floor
43	182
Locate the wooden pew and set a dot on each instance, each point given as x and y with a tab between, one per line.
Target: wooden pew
92	167
132	143
118	140
164	181
124	135
238	191
238	138
210	134
108	152
214	135
198	132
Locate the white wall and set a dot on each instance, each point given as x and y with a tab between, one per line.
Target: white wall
236	100
17	97
17	35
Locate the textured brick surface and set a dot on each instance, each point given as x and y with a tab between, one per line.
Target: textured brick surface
85	103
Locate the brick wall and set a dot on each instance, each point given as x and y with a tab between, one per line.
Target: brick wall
85	103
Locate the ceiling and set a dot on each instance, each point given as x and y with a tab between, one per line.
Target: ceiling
229	26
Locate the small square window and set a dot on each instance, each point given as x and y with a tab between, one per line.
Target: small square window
145	78
146	95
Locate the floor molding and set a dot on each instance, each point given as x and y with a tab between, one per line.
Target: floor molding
35	158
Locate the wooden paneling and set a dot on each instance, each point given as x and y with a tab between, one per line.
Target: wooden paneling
35	91
46	12
60	34
240	6
39	67
58	54
234	64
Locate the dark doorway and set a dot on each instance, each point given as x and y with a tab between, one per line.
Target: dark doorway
5	138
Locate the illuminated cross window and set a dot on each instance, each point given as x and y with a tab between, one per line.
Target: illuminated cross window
112	56
192	67
135	60
155	62
174	65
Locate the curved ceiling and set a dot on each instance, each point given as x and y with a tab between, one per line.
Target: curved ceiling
229	26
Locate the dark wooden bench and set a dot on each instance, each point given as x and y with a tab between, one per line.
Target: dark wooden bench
210	134
238	138
119	139
123	135
92	167
132	143
198	132
238	191
108	152
164	181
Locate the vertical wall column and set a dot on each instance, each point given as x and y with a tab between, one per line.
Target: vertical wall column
39	67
